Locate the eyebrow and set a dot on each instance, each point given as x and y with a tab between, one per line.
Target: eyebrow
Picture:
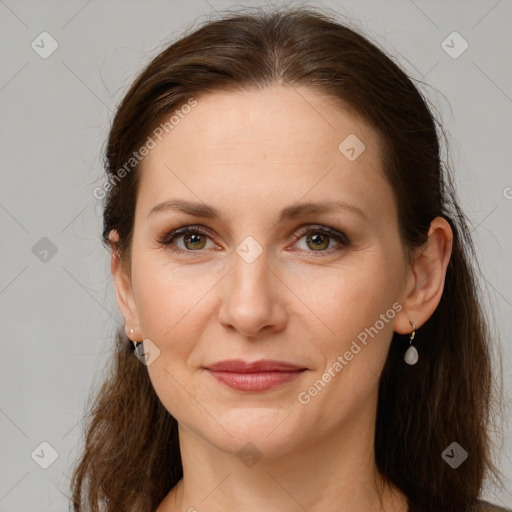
287	213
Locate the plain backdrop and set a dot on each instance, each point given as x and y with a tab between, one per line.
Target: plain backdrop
58	311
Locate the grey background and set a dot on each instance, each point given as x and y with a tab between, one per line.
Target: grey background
57	315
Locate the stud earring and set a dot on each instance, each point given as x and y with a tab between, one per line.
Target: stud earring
411	355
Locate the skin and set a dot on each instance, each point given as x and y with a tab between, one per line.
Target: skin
249	155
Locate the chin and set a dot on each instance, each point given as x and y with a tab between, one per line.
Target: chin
267	431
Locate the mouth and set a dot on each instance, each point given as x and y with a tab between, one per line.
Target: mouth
254	376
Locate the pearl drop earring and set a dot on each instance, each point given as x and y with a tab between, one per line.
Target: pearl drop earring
411	355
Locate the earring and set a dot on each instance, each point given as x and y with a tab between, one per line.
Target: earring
411	355
130	336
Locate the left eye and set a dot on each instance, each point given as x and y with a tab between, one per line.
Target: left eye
318	240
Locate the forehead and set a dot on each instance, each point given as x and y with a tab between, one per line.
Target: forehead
283	119
275	142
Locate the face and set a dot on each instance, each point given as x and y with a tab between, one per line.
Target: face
266	278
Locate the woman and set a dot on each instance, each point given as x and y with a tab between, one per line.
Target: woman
296	277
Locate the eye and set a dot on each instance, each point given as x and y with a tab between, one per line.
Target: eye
318	239
193	239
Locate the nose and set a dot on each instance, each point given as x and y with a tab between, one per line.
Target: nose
252	298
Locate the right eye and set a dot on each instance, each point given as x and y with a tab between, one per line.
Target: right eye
193	238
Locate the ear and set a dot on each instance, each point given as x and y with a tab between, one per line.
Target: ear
123	286
426	278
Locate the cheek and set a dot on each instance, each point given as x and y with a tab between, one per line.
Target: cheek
170	298
174	305
354	306
346	299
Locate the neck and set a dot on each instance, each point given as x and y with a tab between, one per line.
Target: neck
334	473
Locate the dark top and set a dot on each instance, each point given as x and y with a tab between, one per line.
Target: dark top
485	506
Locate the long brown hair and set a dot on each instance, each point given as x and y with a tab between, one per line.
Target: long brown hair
131	457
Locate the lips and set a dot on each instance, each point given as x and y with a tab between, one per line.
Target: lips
265	365
254	376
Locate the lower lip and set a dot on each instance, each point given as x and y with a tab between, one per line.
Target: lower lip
255	381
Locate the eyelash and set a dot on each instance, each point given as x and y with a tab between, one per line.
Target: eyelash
170	237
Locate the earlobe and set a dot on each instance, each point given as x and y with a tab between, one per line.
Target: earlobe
122	284
427	277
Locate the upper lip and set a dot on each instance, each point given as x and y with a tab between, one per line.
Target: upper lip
263	365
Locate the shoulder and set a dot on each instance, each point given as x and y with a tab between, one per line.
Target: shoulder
485	506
